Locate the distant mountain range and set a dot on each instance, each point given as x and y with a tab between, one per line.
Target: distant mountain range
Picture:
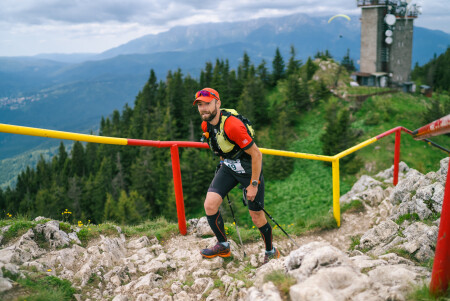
71	92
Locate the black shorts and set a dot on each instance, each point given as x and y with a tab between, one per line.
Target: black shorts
226	179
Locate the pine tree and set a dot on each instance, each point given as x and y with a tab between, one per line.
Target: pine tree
244	68
95	192
178	105
78	161
111	212
253	104
339	136
126	208
2	201
263	74
62	155
278	67
275	167
347	62
310	69
293	64
206	76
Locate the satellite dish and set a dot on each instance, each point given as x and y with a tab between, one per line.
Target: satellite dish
388	40
389	19
388	33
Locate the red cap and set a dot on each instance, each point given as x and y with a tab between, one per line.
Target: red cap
207	98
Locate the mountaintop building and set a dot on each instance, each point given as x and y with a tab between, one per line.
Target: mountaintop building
386	42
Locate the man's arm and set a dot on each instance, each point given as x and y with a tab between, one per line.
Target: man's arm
256	155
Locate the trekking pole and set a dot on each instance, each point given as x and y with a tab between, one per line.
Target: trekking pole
235	224
261	207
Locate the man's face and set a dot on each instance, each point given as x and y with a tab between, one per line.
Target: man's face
207	110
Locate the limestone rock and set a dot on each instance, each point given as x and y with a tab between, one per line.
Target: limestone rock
366	188
201	285
203	228
382	233
333	283
389	173
412	181
5	284
139	243
55	237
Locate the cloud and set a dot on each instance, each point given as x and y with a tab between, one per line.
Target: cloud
97	25
156	12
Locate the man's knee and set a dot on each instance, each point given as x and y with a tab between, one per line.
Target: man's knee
258	218
212	203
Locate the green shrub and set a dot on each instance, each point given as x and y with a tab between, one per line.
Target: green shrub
407	217
422	293
282	281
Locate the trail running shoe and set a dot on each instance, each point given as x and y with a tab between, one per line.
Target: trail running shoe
274	255
217	250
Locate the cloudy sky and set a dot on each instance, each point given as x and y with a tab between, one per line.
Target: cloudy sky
29	27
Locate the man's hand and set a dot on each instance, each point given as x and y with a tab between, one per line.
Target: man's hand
251	192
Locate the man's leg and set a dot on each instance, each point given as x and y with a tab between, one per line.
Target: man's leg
222	183
260	221
215	221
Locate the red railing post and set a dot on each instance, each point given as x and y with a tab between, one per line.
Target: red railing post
398	134
440	276
178	188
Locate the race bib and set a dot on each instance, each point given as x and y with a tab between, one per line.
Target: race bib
234	165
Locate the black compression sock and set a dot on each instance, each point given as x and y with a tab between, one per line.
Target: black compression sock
266	233
216	223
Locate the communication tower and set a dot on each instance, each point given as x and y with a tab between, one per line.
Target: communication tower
386	41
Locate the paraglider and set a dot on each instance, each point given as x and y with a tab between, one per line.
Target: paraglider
339	15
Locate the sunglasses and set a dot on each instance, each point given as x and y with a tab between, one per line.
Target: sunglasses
206	94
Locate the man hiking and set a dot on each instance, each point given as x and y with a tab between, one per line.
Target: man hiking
241	159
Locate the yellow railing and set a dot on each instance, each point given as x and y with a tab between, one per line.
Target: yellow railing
13	129
335	168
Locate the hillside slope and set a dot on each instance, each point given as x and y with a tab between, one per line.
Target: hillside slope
382	252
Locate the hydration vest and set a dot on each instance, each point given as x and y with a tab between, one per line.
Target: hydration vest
218	140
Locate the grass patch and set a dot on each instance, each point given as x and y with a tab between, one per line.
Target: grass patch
396	110
428	264
248	235
422	293
282	281
404	254
356	240
159	228
431	219
85	235
189	280
354	206
317	223
219	284
8	274
39	287
63	226
19	225
243	275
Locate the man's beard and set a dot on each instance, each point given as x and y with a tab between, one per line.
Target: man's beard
211	116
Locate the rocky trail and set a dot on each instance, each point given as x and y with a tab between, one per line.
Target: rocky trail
379	253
